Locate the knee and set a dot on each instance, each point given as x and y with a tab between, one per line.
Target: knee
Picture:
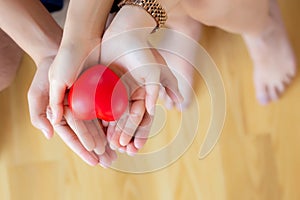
6	80
208	12
234	16
8	71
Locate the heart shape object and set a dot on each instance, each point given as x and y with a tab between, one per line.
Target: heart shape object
98	93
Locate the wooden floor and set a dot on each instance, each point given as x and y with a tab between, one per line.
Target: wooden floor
256	158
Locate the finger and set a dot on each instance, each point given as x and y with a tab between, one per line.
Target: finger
38	98
114	142
111	153
137	111
152	92
82	129
169	103
162	93
37	102
122	149
119	129
142	133
57	94
63	72
110	131
147	73
167	78
99	138
131	150
170	83
105	123
106	159
72	141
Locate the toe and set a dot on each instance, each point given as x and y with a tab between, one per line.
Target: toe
287	80
273	93
280	88
262	94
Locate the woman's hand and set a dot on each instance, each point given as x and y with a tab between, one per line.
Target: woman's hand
86	138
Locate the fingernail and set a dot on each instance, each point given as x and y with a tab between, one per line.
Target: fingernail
99	151
122	142
131	153
112	147
152	111
138	145
95	156
102	165
46	133
121	150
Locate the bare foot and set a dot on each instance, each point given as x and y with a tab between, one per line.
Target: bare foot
10	58
273	58
180	21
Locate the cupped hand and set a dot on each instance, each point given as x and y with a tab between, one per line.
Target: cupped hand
86	138
127	52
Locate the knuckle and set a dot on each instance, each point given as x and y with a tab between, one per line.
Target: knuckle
136	115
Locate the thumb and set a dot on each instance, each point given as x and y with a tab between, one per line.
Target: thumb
168	79
152	92
62	74
152	87
56	97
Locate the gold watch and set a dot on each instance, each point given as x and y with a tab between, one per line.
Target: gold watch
153	7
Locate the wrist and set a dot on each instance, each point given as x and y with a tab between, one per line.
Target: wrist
46	48
131	17
86	21
152	7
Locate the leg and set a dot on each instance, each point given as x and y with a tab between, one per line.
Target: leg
273	58
10	57
260	24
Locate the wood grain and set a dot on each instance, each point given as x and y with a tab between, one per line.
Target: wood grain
257	156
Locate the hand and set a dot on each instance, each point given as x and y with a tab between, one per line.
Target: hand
85	138
129	55
38	98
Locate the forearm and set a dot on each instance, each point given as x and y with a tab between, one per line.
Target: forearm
30	25
132	16
86	20
169	4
